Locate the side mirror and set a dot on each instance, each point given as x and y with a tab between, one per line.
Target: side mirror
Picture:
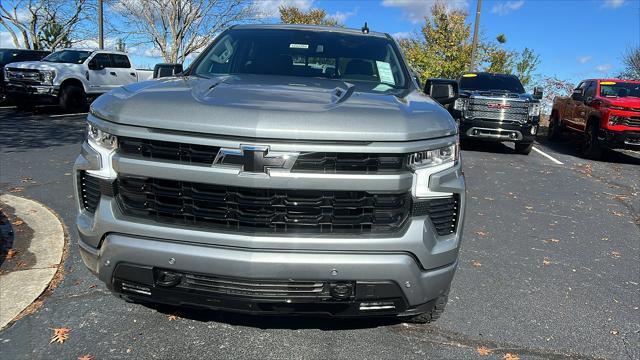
93	65
588	100
577	95
537	93
444	91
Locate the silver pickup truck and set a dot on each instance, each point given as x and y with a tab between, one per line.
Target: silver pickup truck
290	169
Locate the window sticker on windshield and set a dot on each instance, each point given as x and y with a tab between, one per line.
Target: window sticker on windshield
382	87
386	76
607	83
298	46
469	75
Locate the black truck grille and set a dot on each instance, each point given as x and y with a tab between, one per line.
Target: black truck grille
518	111
286	289
443	213
309	162
262	210
632	121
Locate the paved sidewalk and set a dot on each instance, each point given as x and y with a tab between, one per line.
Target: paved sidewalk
24	284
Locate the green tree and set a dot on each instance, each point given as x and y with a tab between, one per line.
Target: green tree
293	15
53	36
525	64
443	47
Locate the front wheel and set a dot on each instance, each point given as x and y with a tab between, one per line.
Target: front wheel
73	98
432	315
524	148
591	148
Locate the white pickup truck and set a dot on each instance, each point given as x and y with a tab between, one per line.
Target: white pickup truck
70	78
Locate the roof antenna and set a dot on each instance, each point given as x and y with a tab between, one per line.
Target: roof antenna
365	28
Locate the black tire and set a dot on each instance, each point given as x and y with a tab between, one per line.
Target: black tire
432	315
554	133
73	99
591	148
524	148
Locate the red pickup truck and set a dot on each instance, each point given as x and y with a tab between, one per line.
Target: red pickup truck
606	112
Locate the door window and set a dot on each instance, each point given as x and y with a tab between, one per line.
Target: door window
590	91
103	60
120	61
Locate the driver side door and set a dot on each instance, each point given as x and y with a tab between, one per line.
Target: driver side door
100	78
581	110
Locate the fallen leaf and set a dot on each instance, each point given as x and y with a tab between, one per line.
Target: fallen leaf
129	350
60	335
92	286
21	264
615	254
26	179
15	189
529	207
11	253
483	350
17	222
87	357
614	332
173	317
475	263
546	262
555	241
510	356
617	213
482	233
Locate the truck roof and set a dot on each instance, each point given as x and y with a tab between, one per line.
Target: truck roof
613	79
310	28
95	50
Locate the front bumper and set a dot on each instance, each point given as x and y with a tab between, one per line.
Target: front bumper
40	94
497	131
417	261
620	139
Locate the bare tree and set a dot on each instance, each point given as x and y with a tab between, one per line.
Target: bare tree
26	20
178	28
631	61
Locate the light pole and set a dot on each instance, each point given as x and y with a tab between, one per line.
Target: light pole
474	44
100	26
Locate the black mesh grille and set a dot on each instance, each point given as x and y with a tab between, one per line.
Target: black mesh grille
166	150
443	213
89	191
348	162
316	162
262	210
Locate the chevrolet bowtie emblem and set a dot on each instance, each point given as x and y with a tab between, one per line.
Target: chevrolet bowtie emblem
255	159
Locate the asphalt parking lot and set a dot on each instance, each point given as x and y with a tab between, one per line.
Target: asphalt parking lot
549	269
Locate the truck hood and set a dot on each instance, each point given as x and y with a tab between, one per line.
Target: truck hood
41	65
276	107
625	102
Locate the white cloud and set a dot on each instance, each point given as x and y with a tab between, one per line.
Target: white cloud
342	16
401	35
613	4
584	59
269	9
504	8
603	67
417	10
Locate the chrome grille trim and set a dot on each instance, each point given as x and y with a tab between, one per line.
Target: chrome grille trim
478	108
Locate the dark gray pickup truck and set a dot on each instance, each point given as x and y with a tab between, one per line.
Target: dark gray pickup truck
290	169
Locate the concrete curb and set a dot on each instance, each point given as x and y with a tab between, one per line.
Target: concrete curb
19	288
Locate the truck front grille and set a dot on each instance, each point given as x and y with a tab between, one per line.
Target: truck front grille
632	121
262	210
27	76
320	162
518	111
285	289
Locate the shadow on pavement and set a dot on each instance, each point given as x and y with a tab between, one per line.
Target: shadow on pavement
273	321
487	146
20	131
570	145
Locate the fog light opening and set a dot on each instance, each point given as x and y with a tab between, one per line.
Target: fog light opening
341	290
168	278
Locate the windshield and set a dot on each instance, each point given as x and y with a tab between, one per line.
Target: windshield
488	82
619	89
353	58
68	56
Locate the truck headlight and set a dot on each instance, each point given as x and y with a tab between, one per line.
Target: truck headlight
101	140
47	76
534	109
427	162
460	104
